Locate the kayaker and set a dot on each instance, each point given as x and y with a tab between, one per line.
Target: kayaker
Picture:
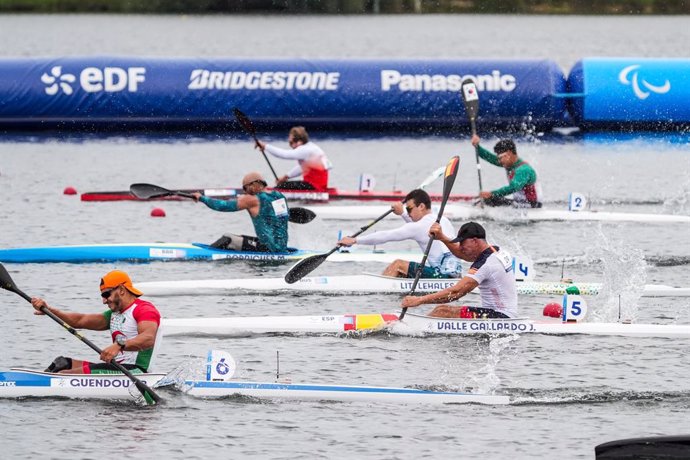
441	263
491	270
521	176
268	210
133	325
313	165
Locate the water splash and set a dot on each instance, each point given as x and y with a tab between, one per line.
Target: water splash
485	378
190	369
624	276
679	203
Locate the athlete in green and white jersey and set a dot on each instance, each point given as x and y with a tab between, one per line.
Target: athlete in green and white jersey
133	325
269	213
523	178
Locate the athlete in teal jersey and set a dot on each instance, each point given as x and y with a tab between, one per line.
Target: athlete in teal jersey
269	213
522	177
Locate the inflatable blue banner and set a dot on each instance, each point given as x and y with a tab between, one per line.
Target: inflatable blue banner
630	92
156	92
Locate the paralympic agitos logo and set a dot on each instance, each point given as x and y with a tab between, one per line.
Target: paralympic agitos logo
641	87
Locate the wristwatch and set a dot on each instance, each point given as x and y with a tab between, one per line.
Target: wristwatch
120	340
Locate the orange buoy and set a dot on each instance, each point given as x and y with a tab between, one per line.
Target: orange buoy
157	212
553	310
69	191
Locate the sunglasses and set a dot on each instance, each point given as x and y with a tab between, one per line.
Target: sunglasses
245	186
106	294
409	209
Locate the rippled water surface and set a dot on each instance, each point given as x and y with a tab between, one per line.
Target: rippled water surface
569	393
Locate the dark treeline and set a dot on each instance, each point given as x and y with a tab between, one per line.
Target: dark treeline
350	6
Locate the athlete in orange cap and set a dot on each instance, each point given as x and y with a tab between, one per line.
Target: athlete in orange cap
133	325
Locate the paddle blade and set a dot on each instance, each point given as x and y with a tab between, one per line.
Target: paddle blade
244	120
150	397
433	177
301	215
470	97
6	280
304	267
147	191
449	176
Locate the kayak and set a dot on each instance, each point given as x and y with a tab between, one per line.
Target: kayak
21	383
367	284
147	252
297	195
412	324
506	214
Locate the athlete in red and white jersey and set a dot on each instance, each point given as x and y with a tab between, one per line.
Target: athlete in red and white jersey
491	270
313	165
133	325
441	263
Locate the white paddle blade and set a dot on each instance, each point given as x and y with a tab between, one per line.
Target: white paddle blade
433	177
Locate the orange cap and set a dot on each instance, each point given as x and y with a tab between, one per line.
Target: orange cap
117	277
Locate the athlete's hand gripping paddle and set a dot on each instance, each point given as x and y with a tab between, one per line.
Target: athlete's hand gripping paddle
148	191
308	265
149	395
448	181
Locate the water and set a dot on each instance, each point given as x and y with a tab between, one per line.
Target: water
570	393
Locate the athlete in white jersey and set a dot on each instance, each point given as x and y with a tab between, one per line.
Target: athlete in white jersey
491	270
312	163
441	263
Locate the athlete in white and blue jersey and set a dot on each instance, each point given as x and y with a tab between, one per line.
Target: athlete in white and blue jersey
491	270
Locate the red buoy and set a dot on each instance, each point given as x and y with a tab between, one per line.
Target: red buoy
553	310
69	190
157	212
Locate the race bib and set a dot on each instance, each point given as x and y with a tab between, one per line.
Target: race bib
505	259
280	207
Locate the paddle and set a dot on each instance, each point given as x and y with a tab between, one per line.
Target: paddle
470	96
249	127
448	181
148	191
309	264
149	395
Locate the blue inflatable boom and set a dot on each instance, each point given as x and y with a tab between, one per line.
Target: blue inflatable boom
103	93
155	93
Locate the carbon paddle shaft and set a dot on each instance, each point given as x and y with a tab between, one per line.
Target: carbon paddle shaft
249	127
9	285
448	181
306	266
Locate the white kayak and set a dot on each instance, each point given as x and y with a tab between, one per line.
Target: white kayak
366	284
412	324
19	383
466	212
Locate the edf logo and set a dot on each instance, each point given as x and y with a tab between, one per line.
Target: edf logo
94	80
